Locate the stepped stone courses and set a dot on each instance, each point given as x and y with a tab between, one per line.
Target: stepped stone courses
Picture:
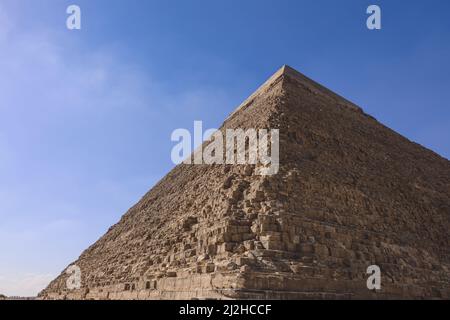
350	193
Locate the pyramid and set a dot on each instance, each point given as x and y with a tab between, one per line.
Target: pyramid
349	193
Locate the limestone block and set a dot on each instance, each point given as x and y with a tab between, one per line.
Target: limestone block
306	248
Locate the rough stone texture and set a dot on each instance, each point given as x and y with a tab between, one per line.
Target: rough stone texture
350	193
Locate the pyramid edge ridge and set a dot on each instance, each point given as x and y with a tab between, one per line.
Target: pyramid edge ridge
267	84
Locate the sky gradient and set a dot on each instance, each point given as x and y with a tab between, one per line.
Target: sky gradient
86	116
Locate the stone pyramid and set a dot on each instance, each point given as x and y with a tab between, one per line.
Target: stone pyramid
349	193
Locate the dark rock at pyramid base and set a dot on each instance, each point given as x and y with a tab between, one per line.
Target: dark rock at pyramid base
350	193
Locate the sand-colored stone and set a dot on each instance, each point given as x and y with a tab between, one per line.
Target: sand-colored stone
350	193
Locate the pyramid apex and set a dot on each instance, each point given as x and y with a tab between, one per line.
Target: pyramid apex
286	68
287	71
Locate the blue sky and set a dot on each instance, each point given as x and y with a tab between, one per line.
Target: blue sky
86	116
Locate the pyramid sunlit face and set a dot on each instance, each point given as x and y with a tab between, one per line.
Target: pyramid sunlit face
217	227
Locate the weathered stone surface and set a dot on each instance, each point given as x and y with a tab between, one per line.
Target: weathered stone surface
350	193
